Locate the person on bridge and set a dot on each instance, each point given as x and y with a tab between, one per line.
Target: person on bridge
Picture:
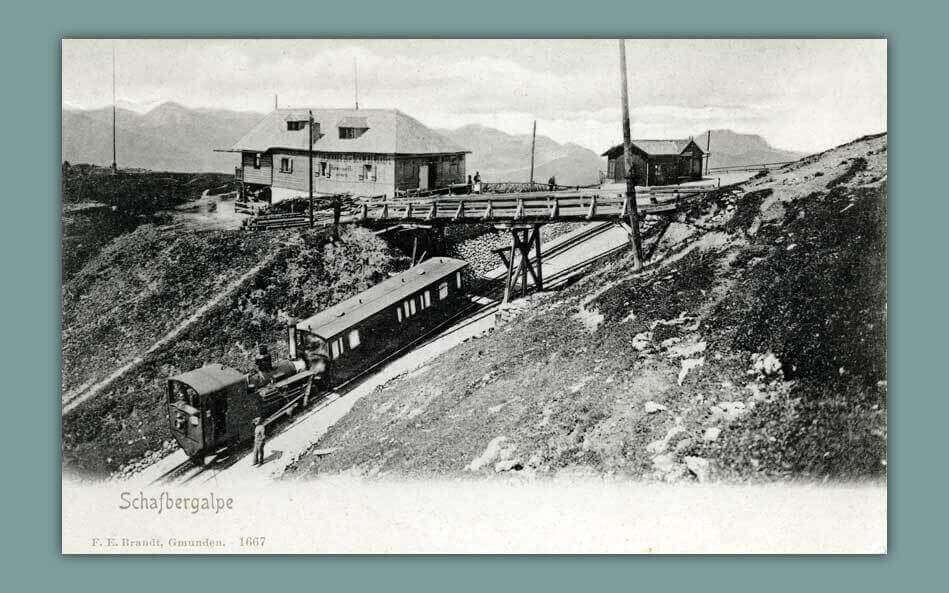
477	182
552	183
260	435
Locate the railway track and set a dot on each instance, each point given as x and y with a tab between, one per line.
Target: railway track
187	471
487	304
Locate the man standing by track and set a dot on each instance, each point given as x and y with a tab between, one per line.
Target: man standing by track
259	438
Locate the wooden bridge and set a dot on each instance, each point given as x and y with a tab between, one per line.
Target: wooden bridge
520	213
517	208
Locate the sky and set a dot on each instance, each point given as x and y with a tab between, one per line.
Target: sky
805	95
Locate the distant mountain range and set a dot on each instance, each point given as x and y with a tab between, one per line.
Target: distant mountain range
730	148
169	137
172	137
499	156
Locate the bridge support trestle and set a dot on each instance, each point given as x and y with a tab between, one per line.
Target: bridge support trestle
517	260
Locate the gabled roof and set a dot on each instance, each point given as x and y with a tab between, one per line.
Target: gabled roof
655	147
389	132
331	322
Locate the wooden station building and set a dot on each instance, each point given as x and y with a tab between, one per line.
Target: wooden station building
657	162
364	152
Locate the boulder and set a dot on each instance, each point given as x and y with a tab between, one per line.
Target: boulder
765	364
689	349
507	465
728	411
667	468
642	340
687	365
711	434
652	407
656	447
700	467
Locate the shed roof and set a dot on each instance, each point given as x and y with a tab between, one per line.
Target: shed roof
389	132
331	322
655	147
210	378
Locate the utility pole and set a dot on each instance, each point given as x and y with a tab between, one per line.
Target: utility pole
632	208
355	84
309	152
708	145
115	168
533	142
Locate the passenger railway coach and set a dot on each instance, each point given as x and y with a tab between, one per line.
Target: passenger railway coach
373	324
213	408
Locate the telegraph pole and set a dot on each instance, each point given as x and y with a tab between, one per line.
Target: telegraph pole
309	153
355	84
628	157
708	145
533	141
115	168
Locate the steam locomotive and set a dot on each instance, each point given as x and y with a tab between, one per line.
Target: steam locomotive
211	409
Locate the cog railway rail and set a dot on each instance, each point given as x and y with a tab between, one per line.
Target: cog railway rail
210	409
188	470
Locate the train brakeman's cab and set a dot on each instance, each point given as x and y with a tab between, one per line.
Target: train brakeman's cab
198	403
213	407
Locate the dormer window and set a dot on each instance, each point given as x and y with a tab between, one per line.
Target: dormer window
296	125
351	133
352	127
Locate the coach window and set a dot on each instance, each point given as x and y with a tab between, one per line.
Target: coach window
442	291
412	305
398	314
458	279
426	299
337	348
406	310
353	339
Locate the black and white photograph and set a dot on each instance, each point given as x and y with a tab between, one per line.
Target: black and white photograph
474	296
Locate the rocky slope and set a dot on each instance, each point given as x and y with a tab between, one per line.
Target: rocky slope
753	347
148	281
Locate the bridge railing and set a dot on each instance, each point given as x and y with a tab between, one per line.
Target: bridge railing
513	208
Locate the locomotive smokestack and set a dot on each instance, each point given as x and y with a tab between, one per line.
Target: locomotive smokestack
263	359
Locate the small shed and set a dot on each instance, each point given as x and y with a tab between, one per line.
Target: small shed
657	162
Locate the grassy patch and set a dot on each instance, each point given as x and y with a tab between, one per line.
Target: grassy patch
127	420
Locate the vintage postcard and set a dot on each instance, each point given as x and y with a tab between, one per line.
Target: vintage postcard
579	296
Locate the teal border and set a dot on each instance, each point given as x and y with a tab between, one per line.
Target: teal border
30	247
